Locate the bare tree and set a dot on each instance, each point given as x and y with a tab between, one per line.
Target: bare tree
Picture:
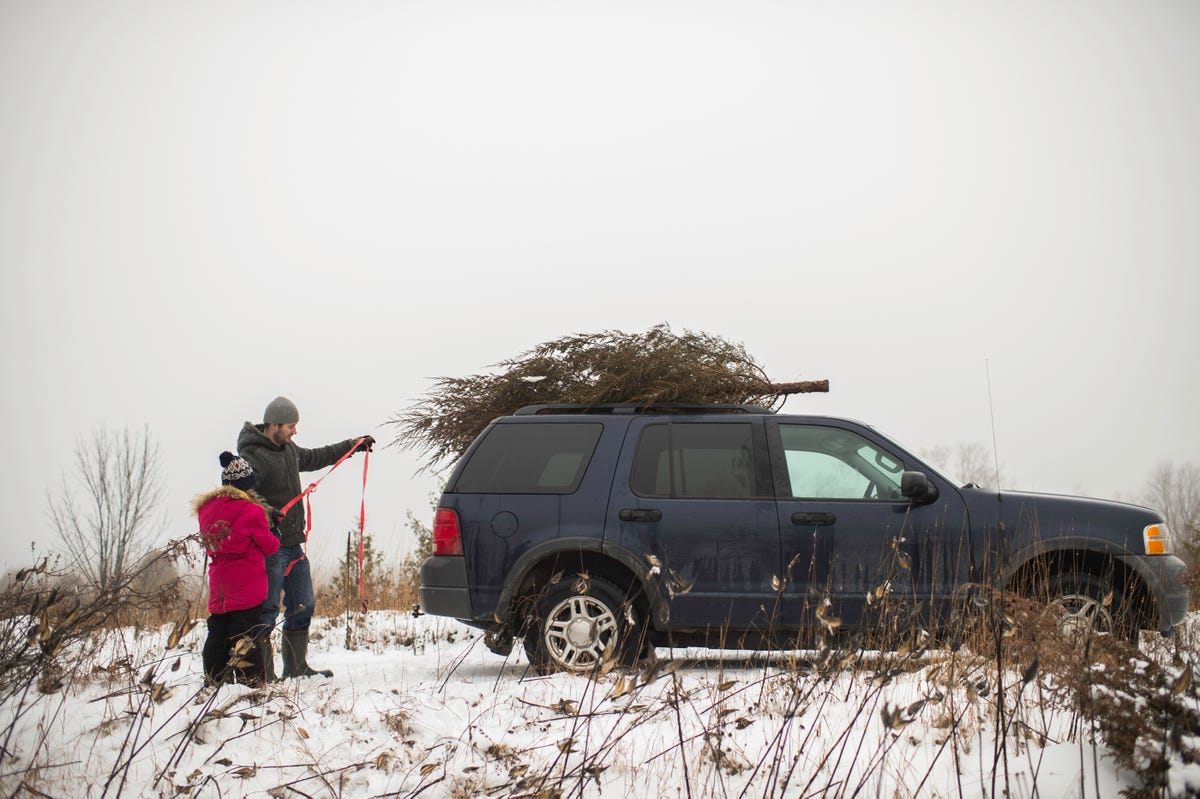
112	525
1175	492
970	463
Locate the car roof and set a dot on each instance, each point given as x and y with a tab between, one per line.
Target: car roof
673	408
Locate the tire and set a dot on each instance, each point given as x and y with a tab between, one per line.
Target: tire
1078	599
575	621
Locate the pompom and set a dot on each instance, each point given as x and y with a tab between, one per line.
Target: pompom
226	458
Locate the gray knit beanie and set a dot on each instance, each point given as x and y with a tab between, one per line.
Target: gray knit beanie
281	410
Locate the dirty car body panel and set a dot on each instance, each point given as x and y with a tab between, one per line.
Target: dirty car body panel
729	527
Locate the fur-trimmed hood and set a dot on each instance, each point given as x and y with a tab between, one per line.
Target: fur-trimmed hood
234	493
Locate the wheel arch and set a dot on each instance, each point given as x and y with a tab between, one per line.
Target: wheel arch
1035	571
534	570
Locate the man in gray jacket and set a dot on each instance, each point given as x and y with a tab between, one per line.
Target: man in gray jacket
277	462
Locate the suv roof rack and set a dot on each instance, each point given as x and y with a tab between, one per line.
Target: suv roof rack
641	407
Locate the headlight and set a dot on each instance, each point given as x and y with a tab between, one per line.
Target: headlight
1158	539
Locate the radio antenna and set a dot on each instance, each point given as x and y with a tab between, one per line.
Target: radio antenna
992	413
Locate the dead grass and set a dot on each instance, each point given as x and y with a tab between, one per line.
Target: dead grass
995	693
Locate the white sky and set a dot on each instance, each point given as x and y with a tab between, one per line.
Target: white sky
204	205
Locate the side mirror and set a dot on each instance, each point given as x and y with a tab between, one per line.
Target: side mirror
917	487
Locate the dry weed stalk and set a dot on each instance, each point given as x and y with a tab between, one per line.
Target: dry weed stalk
1007	661
51	630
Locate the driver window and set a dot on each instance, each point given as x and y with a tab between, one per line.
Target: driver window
831	463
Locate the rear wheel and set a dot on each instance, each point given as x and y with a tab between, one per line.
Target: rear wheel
579	621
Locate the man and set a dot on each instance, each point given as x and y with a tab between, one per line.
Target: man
277	462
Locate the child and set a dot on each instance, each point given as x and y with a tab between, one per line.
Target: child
235	531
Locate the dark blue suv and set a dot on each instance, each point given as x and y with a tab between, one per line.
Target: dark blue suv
594	532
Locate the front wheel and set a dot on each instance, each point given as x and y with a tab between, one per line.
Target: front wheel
1082	605
577	623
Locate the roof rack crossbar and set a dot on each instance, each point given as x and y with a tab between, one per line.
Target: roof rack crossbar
640	407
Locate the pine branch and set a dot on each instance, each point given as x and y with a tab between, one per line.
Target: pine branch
657	366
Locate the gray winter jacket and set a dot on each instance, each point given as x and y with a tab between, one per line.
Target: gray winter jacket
277	470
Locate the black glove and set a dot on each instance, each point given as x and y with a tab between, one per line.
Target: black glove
367	443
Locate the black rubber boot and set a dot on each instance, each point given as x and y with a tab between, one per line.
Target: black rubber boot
295	656
268	657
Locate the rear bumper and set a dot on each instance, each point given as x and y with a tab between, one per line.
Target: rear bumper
1164	578
444	590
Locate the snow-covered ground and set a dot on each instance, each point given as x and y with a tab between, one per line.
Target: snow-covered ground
418	706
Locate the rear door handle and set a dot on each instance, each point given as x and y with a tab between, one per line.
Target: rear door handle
639	515
813	518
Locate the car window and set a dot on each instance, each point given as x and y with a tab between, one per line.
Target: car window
530	459
694	460
831	463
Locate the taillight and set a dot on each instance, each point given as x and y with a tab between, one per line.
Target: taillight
447	539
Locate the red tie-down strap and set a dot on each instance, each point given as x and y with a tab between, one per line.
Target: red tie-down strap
362	523
304	495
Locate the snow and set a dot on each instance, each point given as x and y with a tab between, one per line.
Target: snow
418	706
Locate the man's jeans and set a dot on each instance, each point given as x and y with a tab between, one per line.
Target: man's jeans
297	589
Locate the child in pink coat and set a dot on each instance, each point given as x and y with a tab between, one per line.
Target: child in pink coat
235	532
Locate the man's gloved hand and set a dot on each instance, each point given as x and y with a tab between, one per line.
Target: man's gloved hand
367	443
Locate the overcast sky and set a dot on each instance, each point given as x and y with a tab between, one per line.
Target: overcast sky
206	204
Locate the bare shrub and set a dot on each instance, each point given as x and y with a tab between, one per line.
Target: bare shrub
409	579
360	571
52	625
972	464
109	529
1143	709
1174	490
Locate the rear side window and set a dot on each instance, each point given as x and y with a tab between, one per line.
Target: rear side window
710	460
530	459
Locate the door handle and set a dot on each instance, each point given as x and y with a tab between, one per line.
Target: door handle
639	515
813	518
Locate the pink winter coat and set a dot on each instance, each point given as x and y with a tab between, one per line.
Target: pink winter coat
235	532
